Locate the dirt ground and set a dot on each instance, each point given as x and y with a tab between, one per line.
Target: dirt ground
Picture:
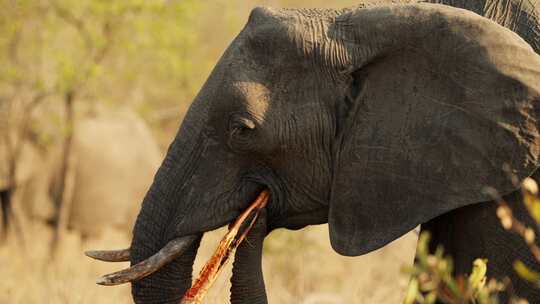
300	267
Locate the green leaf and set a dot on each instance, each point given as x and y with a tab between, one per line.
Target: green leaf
478	274
422	250
412	292
430	298
533	205
525	272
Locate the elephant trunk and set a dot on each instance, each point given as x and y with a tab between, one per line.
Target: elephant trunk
153	232
247	280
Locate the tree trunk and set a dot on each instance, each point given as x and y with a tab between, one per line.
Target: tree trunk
61	196
5	204
6	195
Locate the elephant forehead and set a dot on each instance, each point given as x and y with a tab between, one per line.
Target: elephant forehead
255	97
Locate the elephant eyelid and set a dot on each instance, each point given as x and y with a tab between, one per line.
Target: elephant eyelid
238	124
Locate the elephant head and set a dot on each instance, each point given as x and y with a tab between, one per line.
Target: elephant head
374	120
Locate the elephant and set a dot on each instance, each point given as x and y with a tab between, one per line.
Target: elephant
114	157
374	119
107	179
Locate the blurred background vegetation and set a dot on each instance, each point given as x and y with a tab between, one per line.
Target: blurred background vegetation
65	61
152	56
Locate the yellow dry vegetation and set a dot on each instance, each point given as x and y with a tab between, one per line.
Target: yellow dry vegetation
299	267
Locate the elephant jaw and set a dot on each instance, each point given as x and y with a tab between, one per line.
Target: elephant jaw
176	248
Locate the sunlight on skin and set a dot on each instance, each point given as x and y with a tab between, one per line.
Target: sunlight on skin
258	96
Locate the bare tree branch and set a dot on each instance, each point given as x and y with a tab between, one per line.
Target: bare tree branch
74	21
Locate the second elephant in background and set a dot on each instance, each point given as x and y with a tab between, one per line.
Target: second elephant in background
114	159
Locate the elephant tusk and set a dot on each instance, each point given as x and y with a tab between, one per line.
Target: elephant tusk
176	248
172	250
120	255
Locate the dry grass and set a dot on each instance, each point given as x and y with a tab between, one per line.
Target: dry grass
300	267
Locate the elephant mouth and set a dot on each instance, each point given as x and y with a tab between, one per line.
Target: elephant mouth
176	247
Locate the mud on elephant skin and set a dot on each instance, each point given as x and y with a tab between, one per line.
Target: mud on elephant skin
372	119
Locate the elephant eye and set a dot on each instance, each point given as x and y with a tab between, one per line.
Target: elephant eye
239	125
240	130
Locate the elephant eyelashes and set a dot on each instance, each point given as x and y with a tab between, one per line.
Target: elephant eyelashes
241	130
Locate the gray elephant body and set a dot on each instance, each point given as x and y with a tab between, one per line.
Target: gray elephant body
521	16
114	158
111	175
374	119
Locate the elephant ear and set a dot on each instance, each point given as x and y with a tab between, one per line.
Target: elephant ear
441	100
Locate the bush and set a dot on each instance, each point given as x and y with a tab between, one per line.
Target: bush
432	276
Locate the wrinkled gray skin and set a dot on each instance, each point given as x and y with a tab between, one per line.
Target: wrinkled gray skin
374	120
